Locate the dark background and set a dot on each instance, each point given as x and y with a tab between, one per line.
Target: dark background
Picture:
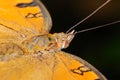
100	47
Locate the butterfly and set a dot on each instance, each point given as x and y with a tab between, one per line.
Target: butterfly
29	52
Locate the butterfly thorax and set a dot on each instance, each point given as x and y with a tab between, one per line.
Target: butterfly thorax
48	42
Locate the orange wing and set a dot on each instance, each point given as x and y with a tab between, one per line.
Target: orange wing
20	19
71	67
58	66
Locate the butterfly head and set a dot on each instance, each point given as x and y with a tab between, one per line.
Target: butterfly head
64	39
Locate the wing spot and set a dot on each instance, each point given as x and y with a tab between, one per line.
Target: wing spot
80	70
23	5
33	15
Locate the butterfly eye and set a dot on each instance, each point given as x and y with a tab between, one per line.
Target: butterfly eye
49	39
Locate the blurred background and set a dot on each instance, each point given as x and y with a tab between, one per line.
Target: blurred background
100	47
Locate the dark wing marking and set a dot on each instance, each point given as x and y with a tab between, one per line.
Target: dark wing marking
80	70
22	5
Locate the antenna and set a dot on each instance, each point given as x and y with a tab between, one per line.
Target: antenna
88	16
97	27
